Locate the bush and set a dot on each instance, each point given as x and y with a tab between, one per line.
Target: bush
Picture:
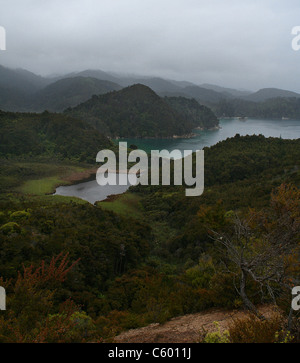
217	337
10	228
254	330
19	215
2	218
225	294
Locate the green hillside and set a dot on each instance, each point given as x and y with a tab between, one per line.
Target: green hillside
51	135
274	108
135	111
149	255
192	111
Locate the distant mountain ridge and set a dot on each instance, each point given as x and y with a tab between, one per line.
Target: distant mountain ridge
273	108
21	90
226	91
70	92
269	93
21	80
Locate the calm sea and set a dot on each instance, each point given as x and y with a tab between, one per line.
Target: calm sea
288	129
92	192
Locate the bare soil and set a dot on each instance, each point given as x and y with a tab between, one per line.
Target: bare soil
186	329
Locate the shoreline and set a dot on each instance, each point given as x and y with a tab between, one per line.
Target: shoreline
86	176
174	137
83	177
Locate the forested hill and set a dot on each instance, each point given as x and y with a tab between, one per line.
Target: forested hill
135	111
49	135
269	93
274	108
201	116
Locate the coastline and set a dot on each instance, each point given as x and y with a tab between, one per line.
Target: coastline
174	137
83	177
89	174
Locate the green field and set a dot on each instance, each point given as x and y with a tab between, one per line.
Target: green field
37	180
41	186
127	204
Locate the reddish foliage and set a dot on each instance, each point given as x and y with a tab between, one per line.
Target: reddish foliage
43	274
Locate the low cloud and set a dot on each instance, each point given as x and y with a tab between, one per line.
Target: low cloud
243	44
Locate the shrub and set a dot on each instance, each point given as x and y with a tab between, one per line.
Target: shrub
217	337
19	215
10	228
225	294
2	218
254	330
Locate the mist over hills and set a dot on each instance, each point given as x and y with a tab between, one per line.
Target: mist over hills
227	91
21	80
269	93
104	244
24	91
274	108
70	92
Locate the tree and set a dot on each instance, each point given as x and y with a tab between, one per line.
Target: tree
32	316
263	245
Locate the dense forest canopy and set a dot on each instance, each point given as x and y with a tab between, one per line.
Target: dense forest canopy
76	272
133	271
276	108
49	135
135	111
201	116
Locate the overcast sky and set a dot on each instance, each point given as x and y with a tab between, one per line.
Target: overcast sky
237	43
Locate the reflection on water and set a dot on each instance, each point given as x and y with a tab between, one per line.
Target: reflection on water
91	191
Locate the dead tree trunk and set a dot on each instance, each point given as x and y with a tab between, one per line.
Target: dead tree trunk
247	302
